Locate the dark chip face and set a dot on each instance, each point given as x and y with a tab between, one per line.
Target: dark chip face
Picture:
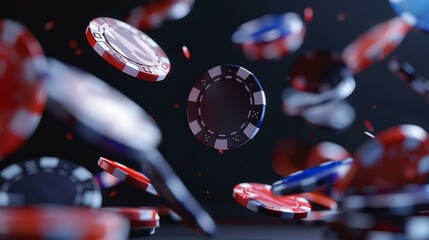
226	107
49	180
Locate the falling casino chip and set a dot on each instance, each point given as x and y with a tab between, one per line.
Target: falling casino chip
51	180
226	107
377	43
257	197
127	175
310	179
23	100
128	49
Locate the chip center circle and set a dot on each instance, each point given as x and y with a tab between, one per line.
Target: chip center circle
225	105
131	45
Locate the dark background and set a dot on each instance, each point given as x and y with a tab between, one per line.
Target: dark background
207	31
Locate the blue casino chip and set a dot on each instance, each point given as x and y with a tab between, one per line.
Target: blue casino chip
417	8
268	28
310	179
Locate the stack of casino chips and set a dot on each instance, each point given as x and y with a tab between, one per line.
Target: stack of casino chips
320	83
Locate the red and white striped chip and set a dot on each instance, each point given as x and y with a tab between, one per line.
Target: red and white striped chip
128	49
377	43
127	175
23	100
257	197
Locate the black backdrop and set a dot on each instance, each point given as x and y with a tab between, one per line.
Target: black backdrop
207	32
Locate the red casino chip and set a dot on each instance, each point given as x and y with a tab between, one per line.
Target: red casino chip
139	217
23	98
257	197
128	49
325	152
395	157
61	223
289	156
128	175
377	43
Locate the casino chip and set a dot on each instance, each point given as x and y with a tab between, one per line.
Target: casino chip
88	104
257	197
417	8
226	107
50	180
407	73
128	49
22	97
310	179
61	223
377	43
127	175
271	36
395	157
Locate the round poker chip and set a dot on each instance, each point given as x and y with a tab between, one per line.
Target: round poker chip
269	28
418	9
139	217
88	104
127	175
408	201
61	223
310	179
23	98
377	43
51	180
257	197
128	49
226	107
397	156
